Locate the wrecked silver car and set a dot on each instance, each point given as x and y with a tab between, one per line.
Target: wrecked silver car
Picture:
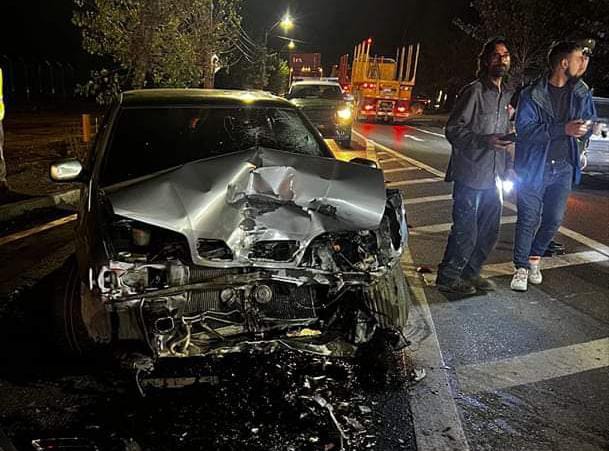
214	222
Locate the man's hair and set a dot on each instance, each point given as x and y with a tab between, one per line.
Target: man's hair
484	58
561	50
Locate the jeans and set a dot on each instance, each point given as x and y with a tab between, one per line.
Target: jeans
476	220
541	211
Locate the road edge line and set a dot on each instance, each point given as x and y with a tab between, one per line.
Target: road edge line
34	230
436	419
433	408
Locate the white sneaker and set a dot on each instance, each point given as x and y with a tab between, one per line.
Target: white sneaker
535	276
520	279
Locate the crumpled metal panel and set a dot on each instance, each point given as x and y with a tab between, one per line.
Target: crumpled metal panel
256	195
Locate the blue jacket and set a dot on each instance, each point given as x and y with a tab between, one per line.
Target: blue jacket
536	125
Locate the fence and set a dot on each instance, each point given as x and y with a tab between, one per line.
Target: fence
32	81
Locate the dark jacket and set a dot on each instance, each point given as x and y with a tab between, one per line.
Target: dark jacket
536	125
481	111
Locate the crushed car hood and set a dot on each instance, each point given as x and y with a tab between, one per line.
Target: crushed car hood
256	195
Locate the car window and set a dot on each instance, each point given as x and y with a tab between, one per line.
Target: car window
147	140
329	92
602	109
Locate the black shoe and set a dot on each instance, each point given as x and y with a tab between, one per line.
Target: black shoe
456	287
554	248
482	284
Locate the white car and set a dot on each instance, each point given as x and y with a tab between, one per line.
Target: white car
597	152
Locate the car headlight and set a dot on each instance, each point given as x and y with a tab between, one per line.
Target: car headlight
344	114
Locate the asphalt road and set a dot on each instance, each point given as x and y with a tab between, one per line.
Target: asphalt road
504	371
524	371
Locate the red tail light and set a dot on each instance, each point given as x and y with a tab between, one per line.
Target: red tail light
368	107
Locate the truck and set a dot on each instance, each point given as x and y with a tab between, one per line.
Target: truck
381	86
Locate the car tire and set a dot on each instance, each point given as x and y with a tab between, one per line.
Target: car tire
388	299
69	332
382	359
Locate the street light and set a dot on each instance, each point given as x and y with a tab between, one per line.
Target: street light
286	23
291	45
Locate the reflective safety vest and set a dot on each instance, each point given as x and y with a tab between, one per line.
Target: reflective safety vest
1	100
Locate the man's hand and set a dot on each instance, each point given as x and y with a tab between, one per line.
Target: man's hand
576	128
497	143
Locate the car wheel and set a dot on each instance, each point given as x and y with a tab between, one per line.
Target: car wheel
70	335
383	358
388	299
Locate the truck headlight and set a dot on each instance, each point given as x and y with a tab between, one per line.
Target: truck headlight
344	114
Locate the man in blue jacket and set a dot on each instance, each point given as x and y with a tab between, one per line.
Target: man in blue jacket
479	160
553	114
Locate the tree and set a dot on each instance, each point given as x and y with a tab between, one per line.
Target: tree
157	43
530	26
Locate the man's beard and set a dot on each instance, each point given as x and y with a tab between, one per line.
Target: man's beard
499	71
572	78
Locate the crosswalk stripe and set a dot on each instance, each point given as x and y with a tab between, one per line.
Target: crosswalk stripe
427	199
391	171
437	228
413	182
534	367
558	261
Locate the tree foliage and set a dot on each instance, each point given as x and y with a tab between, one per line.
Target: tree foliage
530	26
157	43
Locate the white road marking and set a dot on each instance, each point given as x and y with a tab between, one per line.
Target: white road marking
441	135
427	199
402	169
558	261
534	367
34	230
600	247
576	236
413	182
438	228
432	401
414	138
389	160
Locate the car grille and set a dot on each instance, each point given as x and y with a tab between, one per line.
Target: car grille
289	302
324	116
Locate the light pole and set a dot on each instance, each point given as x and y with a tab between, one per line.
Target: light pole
286	23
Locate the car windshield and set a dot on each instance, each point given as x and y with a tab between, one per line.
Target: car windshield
329	92
147	140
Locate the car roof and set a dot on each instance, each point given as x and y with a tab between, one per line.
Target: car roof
601	99
186	96
316	82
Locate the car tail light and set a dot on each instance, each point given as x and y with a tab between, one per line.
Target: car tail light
368	107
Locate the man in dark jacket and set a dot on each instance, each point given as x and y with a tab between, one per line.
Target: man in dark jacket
553	114
478	162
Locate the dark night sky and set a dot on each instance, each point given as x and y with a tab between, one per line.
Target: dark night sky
333	27
42	29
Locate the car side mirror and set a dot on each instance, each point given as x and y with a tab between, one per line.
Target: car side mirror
364	162
348	97
70	170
